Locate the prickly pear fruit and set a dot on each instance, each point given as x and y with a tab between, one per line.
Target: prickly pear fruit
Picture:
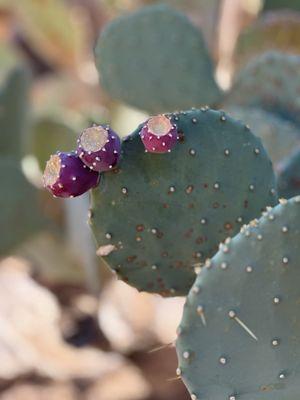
99	148
65	175
159	135
240	331
157	217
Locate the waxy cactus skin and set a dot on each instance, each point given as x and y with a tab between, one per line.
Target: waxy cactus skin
159	135
99	148
240	330
135	59
65	175
157	217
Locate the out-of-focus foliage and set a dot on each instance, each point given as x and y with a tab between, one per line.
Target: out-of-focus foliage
281	4
9	58
51	28
271	82
48	135
144	70
278	136
204	13
275	30
14	106
19	205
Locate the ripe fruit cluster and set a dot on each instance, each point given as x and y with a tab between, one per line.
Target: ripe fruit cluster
98	150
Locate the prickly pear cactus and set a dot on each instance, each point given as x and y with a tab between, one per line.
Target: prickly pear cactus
239	337
288	181
272	82
159	216
279	137
150	58
14	112
19	205
47	135
20	214
277	30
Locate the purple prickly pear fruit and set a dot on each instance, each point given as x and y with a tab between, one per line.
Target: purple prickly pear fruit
159	135
65	175
99	148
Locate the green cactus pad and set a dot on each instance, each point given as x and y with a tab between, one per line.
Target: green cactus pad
288	181
19	204
239	337
14	112
279	137
156	60
275	30
47	135
161	215
272	82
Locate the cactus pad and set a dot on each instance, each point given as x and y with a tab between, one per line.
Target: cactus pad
20	205
159	216
14	112
156	60
46	136
275	30
239	337
272	82
288	181
278	136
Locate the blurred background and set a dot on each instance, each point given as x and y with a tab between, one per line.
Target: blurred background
68	328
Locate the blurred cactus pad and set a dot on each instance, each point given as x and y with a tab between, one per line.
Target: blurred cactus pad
14	100
271	82
276	30
279	137
19	200
19	204
156	60
159	216
281	4
47	135
289	175
240	330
